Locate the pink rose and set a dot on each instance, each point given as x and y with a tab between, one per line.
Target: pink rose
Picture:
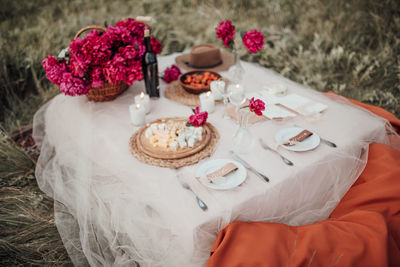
253	41
226	32
172	73
156	45
198	118
257	106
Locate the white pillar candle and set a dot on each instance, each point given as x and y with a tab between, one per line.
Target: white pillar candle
144	100
207	102
137	114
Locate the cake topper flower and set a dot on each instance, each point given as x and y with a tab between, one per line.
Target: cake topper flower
198	118
172	73
253	40
256	105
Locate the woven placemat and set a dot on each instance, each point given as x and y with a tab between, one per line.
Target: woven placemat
175	92
175	163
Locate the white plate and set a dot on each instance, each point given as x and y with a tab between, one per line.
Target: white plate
307	144
232	180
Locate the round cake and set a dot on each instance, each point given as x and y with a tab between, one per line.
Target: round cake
172	138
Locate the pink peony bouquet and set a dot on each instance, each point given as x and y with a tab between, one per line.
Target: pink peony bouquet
198	118
253	40
171	73
113	56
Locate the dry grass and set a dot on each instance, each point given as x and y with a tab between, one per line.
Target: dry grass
350	47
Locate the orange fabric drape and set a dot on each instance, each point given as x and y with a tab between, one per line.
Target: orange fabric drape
363	230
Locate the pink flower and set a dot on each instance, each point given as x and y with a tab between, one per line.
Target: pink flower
132	52
133	73
135	27
156	45
76	66
76	45
198	118
172	73
226	32
73	86
97	77
253	41
114	71
54	69
256	106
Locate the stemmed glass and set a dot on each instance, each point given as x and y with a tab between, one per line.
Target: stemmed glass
237	95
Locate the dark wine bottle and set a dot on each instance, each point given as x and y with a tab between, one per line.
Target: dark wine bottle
150	68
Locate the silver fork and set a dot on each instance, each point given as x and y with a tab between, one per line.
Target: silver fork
200	202
266	147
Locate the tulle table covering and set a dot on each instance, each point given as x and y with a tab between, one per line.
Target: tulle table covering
113	210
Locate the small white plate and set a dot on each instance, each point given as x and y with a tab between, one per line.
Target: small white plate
307	144
232	180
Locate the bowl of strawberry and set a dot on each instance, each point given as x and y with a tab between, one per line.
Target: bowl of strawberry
197	82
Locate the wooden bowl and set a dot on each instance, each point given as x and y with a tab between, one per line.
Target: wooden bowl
191	88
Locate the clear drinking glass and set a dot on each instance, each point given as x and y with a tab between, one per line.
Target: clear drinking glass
237	95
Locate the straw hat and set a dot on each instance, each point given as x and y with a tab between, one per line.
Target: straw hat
205	57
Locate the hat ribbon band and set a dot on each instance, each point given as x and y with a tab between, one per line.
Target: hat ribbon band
204	67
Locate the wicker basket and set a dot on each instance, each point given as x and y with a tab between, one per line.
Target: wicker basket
106	92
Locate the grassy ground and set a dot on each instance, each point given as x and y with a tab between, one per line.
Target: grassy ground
350	47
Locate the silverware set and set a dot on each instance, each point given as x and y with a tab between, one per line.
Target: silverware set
203	205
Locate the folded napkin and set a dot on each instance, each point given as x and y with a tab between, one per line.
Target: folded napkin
275	89
301	104
218	176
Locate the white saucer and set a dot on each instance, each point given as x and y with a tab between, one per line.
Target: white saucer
233	179
285	134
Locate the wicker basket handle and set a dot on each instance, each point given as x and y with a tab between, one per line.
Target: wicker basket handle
91	27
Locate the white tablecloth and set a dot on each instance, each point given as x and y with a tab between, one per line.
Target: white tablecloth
116	210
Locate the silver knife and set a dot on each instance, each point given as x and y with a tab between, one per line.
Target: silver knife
247	166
